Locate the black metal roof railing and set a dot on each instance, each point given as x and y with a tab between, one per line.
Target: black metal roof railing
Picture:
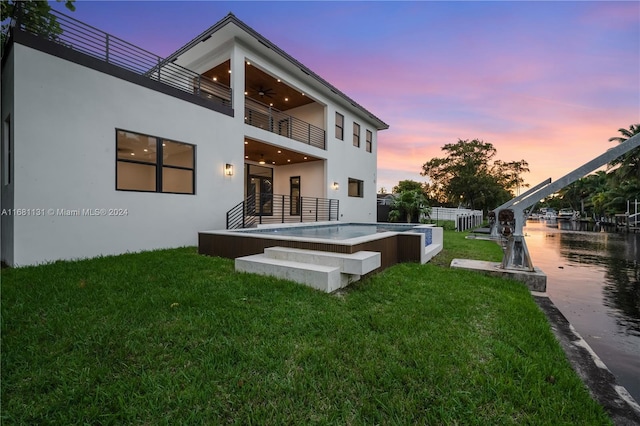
91	41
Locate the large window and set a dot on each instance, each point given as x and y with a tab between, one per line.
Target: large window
369	143
339	126
152	164
356	134
356	188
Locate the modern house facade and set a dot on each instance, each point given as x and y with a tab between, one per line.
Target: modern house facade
107	148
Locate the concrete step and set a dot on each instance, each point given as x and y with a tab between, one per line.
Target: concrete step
321	277
359	263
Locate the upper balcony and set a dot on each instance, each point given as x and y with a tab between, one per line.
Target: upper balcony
110	54
278	107
269	118
275	106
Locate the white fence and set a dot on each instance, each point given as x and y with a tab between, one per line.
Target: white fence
464	218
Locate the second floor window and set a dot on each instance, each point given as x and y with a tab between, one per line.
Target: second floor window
356	134
369	142
339	126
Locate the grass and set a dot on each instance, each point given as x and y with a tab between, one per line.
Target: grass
171	337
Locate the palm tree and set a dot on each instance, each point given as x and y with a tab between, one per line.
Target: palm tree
616	198
409	203
628	165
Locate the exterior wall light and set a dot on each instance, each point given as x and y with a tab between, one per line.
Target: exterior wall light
336	185
228	169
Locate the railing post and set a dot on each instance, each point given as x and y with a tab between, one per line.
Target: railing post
301	212
317	200
159	62
106	47
282	208
244	213
198	84
309	137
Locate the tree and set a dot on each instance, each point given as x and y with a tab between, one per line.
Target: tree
627	165
467	176
407	185
34	15
510	173
411	203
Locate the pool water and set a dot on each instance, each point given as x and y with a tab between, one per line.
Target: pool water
334	232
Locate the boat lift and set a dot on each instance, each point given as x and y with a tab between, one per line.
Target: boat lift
511	216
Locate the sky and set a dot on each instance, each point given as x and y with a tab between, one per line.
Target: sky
546	82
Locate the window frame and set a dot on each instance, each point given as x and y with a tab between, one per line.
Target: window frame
339	127
356	135
7	152
369	141
360	188
158	164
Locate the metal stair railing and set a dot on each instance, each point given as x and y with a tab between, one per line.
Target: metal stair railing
276	208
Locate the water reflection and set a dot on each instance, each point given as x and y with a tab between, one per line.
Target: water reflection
593	277
615	254
622	292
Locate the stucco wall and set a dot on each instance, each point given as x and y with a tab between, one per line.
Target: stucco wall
67	160
311	113
352	162
311	179
65	118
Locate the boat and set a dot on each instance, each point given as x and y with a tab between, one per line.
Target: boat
534	216
548	213
567	214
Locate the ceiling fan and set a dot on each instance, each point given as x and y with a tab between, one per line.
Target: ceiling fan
264	91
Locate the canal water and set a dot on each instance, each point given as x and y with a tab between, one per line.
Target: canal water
593	277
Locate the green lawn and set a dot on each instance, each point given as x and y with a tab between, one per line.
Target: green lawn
171	337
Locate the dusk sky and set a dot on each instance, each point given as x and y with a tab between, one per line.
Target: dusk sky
547	82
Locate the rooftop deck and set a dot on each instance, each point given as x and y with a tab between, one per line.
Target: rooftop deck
107	51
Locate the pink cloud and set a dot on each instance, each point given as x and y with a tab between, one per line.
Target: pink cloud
612	15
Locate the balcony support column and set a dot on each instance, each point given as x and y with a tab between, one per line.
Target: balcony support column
237	78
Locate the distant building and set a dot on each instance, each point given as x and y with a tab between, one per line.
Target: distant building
385	199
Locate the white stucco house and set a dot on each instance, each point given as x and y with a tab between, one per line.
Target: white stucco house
107	148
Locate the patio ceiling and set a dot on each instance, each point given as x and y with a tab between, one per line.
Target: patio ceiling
262	87
273	155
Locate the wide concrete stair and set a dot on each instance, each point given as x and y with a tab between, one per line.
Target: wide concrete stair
325	271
